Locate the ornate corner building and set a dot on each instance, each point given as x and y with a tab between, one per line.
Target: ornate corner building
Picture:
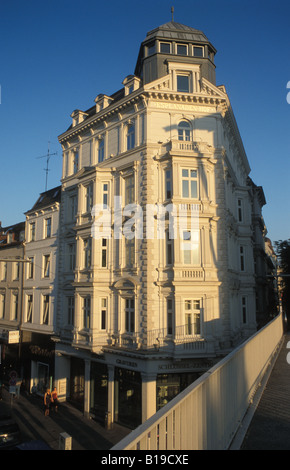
140	317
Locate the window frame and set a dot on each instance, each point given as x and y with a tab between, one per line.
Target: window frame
178	46
190	179
47	227
101	150
104	313
70	310
168	183
184	131
87	253
130	323
195	315
45	309
130	136
86	312
179	88
194	256
29	308
46	266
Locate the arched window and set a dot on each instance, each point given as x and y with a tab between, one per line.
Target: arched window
101	151
184	130
130	136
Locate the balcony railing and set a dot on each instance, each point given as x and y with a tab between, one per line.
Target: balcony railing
168	339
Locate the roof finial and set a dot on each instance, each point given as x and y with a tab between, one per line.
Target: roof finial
172	11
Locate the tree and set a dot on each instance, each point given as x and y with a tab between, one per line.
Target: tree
283	253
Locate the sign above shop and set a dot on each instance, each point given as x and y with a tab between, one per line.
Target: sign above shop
10	336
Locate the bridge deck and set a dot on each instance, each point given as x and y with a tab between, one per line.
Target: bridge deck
270	426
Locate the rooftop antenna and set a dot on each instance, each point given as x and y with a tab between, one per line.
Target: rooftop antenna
172	13
47	156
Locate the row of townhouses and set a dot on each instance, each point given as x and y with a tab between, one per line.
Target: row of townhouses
150	261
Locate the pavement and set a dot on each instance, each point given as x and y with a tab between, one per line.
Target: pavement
86	434
269	428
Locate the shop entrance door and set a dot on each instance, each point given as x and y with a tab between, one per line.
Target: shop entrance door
128	397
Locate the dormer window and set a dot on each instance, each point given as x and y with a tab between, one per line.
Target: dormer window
182	49
165	47
198	51
102	101
131	83
151	48
78	117
183	83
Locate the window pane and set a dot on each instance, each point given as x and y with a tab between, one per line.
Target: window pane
193	173
194	189
185	173
188	328
185	189
165	47
181	49
197	51
183	83
151	48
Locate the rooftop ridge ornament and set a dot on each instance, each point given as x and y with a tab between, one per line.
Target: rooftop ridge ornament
172	13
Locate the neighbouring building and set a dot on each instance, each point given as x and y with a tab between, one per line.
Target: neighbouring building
40	291
11	287
143	309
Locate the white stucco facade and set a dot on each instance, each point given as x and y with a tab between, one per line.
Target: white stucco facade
155	306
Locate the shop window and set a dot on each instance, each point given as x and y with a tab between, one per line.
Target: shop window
128	401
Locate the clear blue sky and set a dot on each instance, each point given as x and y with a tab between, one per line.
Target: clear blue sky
57	56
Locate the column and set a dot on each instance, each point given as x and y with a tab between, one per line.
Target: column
87	388
148	395
111	378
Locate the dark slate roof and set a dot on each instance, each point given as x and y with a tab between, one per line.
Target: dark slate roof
47	198
178	31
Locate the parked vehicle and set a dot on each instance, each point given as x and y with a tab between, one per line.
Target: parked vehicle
9	432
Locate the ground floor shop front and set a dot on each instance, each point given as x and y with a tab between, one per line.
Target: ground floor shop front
123	389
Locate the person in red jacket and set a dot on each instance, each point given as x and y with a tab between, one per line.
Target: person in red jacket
55	401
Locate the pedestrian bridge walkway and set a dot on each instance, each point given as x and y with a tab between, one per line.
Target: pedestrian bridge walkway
243	402
269	428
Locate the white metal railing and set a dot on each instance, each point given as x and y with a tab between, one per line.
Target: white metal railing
208	413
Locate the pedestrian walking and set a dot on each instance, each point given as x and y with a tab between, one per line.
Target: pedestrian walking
55	401
47	401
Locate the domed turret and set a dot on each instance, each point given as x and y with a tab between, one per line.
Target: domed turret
174	42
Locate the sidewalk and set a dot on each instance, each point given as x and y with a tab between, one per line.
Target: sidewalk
270	426
87	434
